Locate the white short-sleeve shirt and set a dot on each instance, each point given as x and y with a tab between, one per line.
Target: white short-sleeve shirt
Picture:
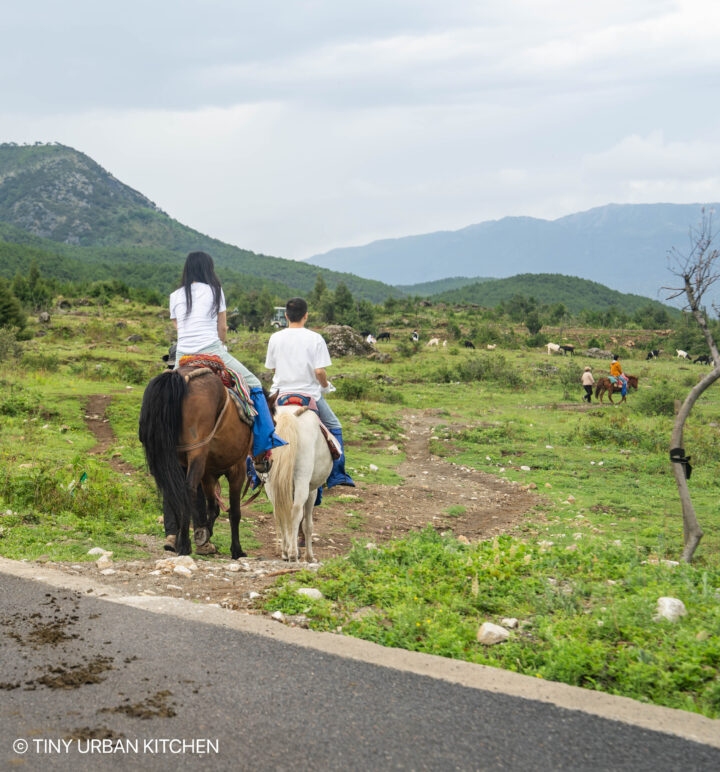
197	330
295	353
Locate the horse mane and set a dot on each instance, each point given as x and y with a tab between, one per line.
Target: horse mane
283	466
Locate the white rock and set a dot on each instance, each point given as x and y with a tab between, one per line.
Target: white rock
173	587
525	468
252	595
186	561
570	499
669	608
232	567
104	561
670	563
489	634
373	468
182	571
393	448
510	622
94	550
155	573
278	615
310	592
107	571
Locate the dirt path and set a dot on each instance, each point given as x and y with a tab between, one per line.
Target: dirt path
447	496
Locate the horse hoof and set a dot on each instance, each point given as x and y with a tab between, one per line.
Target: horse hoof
206	549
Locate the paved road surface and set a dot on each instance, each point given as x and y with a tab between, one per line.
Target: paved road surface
79	669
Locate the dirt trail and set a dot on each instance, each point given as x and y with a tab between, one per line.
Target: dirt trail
449	497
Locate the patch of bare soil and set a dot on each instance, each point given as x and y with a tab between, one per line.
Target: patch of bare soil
449	497
99	424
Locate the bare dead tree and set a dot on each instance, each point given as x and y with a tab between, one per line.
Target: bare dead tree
697	271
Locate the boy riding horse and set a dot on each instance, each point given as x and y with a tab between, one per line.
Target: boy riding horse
298	357
616	371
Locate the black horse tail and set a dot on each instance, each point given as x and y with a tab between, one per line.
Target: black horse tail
159	431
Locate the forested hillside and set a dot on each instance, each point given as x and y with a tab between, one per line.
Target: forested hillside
82	216
548	289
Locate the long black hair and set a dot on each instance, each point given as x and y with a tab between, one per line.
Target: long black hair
199	266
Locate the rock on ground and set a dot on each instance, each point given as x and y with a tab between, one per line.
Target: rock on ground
490	634
670	608
342	341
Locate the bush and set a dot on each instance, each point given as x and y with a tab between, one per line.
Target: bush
594	343
534	341
9	348
360	389
659	400
478	368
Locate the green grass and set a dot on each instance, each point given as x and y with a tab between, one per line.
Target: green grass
607	498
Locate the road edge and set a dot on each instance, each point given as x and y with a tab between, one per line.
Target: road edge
680	723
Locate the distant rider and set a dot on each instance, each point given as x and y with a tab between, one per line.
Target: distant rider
617	372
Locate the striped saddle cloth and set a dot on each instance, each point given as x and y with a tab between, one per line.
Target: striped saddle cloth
233	382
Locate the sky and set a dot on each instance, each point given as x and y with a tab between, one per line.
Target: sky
292	127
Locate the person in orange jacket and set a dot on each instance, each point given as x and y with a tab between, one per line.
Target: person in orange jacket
617	372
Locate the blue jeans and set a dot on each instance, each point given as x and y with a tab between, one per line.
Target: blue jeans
327	416
218	349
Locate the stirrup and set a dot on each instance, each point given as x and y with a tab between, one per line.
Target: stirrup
263	463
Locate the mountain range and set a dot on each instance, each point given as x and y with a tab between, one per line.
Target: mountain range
624	246
76	221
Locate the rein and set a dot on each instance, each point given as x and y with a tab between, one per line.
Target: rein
200	443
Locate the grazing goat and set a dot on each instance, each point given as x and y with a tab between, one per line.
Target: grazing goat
682	354
568	349
654	354
491	346
433	342
553	348
468	344
383	336
703	359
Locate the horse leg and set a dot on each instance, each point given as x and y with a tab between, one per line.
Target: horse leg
206	513
236	477
302	494
195	470
308	527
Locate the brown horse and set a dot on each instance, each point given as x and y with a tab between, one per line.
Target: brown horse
605	385
192	435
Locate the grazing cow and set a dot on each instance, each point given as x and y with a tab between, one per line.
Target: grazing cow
553	348
365	333
383	336
654	354
434	342
491	346
568	349
468	344
682	354
415	337
703	359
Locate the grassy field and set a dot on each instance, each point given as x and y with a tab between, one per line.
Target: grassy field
582	572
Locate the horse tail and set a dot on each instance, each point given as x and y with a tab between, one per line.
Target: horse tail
159	431
283	466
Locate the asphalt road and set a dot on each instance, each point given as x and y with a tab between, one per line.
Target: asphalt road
89	684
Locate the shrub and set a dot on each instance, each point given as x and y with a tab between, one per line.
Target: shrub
9	348
359	389
478	368
659	400
594	343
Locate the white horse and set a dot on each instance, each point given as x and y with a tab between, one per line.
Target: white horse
298	470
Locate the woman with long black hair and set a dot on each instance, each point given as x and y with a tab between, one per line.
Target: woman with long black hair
198	311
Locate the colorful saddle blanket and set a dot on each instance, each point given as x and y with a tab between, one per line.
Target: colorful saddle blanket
233	381
309	403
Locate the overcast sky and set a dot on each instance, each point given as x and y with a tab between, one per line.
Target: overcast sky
293	127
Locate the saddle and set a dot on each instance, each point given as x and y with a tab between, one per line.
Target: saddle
233	382
306	402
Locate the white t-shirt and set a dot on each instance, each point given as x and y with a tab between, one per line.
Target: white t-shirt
199	329
295	353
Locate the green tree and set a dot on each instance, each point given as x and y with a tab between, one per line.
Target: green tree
533	323
345	307
317	293
11	313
